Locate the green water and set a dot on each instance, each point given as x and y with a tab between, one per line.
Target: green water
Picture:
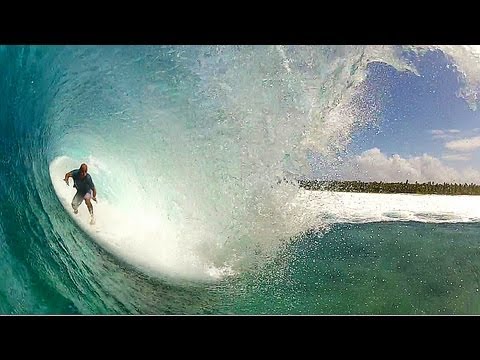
377	268
380	268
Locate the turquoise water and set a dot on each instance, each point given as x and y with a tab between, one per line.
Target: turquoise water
378	268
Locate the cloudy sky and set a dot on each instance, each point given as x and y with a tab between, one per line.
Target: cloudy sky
426	132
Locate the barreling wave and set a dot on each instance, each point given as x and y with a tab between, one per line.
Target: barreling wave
194	149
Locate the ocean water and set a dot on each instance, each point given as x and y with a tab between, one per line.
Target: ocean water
192	150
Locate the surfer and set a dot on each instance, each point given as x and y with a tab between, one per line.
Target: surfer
83	182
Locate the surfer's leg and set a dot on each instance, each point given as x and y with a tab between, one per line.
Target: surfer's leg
88	202
76	201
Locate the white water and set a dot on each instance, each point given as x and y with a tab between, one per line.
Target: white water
131	232
145	241
343	207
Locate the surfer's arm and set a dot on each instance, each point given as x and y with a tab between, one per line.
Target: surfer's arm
92	186
67	176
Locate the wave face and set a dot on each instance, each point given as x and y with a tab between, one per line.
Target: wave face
191	149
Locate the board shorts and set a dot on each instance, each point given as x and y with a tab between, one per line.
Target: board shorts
78	198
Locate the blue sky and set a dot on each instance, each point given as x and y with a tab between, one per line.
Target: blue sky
422	115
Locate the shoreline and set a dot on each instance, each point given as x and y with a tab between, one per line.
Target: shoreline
416	188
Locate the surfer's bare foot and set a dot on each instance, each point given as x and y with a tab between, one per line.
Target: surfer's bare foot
75	211
92	220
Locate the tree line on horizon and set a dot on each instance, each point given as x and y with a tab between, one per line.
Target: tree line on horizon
392	187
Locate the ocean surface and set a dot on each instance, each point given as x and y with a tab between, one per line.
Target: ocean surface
194	151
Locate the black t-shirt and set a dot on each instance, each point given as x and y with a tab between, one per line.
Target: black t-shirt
82	185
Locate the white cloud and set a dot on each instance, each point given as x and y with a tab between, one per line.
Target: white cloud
457	157
373	165
443	134
464	145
